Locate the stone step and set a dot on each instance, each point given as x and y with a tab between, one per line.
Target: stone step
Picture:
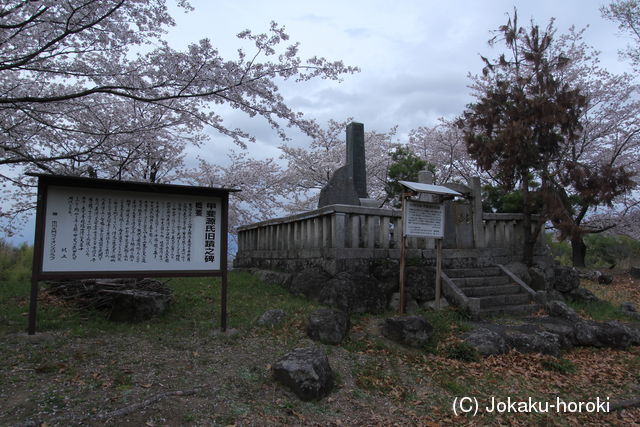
467	282
504	300
472	272
483	291
509	310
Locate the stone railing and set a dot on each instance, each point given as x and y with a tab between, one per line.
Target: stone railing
334	226
343	232
502	230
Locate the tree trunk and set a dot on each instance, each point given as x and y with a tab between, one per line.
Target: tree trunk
578	251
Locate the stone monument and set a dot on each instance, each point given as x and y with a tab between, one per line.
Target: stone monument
348	184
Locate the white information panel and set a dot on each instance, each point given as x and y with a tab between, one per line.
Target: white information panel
89	229
423	219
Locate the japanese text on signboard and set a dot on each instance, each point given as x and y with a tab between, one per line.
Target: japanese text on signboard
100	230
423	219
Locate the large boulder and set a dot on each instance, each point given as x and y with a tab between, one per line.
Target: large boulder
420	283
354	292
411	306
328	326
309	282
605	279
133	305
486	341
412	331
563	328
276	277
549	335
597	276
306	372
537	279
387	272
629	309
565	279
271	318
532	341
594	334
340	190
563	311
581	295
492	339
615	335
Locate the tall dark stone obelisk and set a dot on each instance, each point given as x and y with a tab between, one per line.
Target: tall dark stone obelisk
348	184
356	159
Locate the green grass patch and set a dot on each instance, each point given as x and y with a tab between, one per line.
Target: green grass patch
449	382
601	311
560	365
445	323
462	351
195	309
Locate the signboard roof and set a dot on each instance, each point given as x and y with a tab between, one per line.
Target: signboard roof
429	188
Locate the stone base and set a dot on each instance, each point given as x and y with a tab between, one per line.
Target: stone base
370	203
334	260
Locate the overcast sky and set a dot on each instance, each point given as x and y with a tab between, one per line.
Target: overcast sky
414	56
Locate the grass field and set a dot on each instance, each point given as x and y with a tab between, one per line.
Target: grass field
174	370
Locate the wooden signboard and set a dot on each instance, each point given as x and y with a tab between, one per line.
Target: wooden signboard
423	219
98	228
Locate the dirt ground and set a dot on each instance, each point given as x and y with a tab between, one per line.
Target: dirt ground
57	378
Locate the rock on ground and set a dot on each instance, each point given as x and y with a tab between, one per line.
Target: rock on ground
420	283
134	305
561	330
272	317
565	279
581	295
354	293
412	331
486	341
563	311
309	282
411	306
306	372
329	326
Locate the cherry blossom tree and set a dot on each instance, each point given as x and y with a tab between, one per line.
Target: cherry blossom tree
443	146
308	169
594	166
599	169
626	13
92	83
262	196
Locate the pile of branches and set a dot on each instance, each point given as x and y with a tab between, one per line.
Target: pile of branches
96	294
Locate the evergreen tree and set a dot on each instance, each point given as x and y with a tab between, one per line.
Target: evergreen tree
523	115
404	166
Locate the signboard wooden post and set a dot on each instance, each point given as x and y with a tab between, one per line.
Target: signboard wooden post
423	219
98	228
